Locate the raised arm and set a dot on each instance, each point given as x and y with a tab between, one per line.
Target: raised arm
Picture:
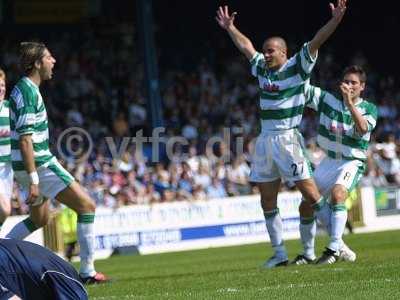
325	32
239	39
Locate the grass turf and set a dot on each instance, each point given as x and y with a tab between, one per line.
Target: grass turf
234	273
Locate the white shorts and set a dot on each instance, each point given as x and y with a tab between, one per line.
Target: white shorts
338	171
280	154
52	180
6	180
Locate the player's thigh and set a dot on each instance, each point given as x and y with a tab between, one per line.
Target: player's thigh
290	157
52	180
349	174
325	175
263	168
59	184
76	198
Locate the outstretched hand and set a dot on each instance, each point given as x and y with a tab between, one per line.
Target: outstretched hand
339	10
223	18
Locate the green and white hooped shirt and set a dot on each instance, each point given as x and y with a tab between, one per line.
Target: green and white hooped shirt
337	134
282	98
28	116
5	142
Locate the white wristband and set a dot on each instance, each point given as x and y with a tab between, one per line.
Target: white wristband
34	177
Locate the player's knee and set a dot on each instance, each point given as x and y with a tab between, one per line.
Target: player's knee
92	205
311	198
4	214
40	221
86	205
5	208
305	210
309	191
338	194
268	204
314	196
3	217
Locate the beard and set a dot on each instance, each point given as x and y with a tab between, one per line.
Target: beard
46	74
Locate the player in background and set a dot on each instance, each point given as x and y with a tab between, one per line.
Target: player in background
345	124
36	169
6	173
30	271
279	150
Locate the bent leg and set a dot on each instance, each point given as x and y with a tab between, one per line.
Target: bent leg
39	216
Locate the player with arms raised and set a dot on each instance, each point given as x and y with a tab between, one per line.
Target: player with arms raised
279	151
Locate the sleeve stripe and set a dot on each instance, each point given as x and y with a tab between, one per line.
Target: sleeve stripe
306	54
300	69
256	58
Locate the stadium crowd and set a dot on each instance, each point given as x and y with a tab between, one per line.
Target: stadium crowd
102	91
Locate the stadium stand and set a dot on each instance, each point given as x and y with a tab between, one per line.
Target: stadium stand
102	93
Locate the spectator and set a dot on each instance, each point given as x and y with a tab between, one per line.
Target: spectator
105	97
238	175
216	189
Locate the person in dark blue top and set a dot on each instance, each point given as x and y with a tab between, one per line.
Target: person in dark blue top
33	272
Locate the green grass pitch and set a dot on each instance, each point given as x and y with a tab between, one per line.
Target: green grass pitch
234	273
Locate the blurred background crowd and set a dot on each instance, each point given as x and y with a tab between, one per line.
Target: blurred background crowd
99	86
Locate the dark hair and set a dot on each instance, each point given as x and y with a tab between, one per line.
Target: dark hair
30	52
356	70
